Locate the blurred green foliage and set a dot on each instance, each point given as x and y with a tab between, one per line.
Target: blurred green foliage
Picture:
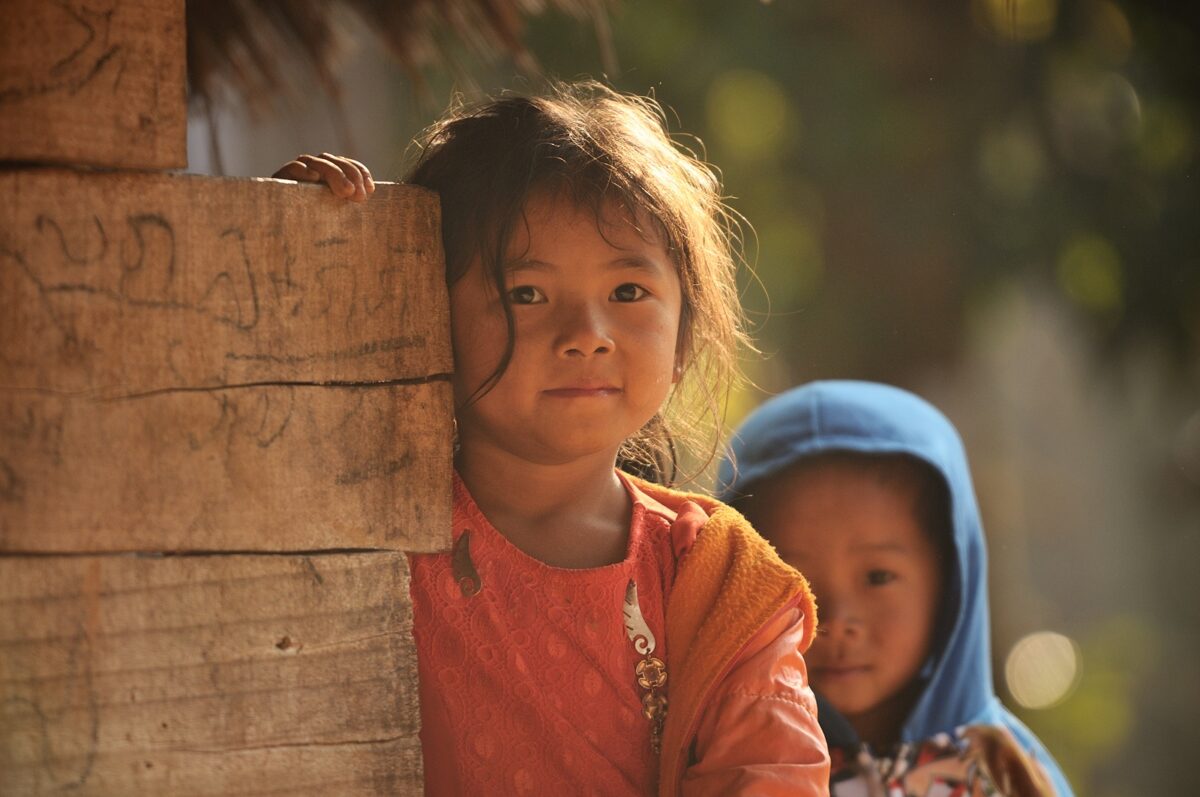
900	162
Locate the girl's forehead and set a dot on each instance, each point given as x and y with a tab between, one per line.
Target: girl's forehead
548	211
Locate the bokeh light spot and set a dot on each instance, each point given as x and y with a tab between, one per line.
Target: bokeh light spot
1089	271
1011	162
1167	142
1110	33
749	113
796	246
1187	449
1095	116
1041	669
1017	20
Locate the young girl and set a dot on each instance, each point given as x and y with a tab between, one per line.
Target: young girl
591	631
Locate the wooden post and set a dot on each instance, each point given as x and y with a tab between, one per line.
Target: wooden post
189	363
95	82
225	417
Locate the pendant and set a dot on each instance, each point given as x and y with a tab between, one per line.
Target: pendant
651	672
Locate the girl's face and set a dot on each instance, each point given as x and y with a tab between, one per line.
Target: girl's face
877	580
596	306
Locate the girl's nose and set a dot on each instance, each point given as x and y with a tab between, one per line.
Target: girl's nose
583	331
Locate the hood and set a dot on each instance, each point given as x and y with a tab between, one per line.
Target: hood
870	418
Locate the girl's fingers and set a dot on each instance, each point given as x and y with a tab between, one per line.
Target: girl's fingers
295	170
332	173
346	178
355	170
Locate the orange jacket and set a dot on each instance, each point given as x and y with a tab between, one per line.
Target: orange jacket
741	717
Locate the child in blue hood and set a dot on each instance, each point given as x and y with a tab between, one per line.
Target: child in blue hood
865	488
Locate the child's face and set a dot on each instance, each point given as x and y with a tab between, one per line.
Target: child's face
597	311
876	577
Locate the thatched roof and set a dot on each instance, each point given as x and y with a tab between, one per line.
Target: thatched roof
248	46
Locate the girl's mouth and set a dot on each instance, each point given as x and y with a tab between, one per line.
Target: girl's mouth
581	391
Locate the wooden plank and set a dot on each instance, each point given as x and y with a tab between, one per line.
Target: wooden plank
95	82
273	468
197	364
121	284
208	675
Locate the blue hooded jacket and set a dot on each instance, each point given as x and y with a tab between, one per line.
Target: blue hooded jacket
870	418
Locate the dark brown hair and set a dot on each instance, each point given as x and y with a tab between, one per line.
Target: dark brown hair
911	475
593	146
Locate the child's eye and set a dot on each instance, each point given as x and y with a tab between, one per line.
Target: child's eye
877	578
629	292
526	294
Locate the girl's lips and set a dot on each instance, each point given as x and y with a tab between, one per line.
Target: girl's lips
582	392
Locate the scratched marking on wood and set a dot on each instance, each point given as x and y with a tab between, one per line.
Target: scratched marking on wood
101	82
120	284
256	469
198	364
211	675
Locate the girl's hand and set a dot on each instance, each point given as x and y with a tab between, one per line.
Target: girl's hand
346	178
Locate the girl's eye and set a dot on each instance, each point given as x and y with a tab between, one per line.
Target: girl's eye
877	578
629	292
526	294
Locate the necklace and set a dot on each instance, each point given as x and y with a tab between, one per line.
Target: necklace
651	672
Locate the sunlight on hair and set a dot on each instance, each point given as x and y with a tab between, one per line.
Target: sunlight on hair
1042	669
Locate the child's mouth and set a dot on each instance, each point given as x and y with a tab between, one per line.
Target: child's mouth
839	671
582	391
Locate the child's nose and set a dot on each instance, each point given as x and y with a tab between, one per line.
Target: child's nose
583	331
836	618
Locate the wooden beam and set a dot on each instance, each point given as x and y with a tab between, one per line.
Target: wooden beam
277	468
122	284
208	675
189	363
98	83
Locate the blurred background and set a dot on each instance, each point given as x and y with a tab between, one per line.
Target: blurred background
986	202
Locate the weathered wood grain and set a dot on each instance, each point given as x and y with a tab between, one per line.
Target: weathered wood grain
208	675
121	284
95	82
276	468
197	364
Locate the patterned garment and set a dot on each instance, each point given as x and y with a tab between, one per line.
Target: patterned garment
510	648
935	768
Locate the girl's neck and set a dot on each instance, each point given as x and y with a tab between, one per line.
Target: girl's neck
573	515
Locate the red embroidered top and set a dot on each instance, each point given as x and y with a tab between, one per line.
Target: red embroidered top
529	685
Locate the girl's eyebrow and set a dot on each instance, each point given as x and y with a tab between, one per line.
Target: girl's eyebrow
638	263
